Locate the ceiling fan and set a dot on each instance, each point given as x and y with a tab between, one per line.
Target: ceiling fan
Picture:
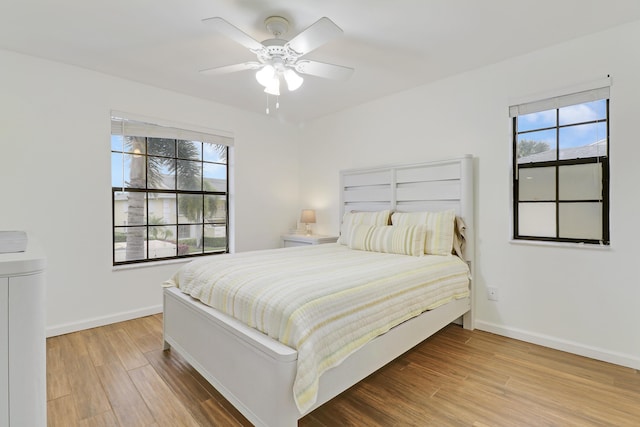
281	59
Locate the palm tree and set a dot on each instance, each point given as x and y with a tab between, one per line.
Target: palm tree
157	231
192	206
135	200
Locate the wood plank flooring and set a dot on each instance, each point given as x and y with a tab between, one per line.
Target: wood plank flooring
118	375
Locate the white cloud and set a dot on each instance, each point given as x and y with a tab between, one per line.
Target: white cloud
548	116
577	113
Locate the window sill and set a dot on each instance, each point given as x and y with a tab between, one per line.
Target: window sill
560	245
151	264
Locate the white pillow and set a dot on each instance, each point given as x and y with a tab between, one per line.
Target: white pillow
407	240
440	228
354	218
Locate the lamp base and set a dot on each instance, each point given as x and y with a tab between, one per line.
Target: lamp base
307	228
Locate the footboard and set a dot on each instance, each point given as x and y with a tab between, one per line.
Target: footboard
250	370
256	373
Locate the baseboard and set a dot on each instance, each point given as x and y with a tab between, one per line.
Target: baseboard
560	344
94	322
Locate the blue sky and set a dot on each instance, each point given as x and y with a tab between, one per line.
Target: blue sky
572	136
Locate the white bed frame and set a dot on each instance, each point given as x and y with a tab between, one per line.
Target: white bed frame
256	373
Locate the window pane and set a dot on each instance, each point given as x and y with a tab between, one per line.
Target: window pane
117	170
537	219
214	153
537	183
189	150
189	239
215	177
120	244
129	243
162	147
162	241
580	182
189	175
134	166
189	208
540	120
537	146
215	208
161	173
135	144
162	208
215	238
586	112
129	208
581	220
581	141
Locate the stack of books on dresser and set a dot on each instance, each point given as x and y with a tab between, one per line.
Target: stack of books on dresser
13	241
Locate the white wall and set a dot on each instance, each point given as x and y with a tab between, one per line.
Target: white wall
581	300
55	181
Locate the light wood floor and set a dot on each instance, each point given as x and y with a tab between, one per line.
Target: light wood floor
118	375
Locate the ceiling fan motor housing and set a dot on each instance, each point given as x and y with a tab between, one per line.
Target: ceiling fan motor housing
274	49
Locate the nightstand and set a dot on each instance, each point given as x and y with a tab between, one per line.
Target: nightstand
289	240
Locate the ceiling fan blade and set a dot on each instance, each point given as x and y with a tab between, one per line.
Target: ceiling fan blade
232	68
321	69
233	32
319	33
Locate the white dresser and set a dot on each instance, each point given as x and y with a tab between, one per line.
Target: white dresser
23	393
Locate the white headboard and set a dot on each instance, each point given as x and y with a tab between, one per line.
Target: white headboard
433	186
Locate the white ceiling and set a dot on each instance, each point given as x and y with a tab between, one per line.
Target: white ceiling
393	45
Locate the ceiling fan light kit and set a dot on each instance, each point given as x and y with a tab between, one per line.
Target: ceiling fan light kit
278	58
269	77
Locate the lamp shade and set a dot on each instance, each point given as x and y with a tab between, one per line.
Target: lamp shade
294	81
274	87
265	75
308	216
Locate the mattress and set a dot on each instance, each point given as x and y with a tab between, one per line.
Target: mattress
326	301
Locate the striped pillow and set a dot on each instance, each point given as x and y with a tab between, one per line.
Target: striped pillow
389	239
440	228
354	218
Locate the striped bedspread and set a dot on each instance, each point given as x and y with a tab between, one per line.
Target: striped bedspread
325	301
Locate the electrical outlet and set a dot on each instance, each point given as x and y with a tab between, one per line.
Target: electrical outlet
492	293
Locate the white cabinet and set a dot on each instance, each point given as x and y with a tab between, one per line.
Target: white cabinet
23	399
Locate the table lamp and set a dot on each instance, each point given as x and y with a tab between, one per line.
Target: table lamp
307	217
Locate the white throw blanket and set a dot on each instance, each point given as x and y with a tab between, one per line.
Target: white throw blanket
325	301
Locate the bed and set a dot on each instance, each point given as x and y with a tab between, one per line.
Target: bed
256	372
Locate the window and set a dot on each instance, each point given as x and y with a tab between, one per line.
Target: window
169	192
561	168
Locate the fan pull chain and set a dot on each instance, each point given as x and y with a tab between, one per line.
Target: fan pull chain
277	104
